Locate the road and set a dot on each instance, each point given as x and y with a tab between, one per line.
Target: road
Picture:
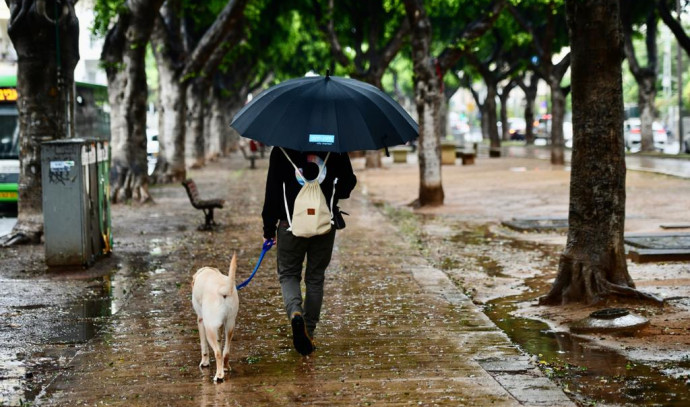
6	225
677	167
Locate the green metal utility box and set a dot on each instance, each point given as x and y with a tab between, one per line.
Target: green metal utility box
76	210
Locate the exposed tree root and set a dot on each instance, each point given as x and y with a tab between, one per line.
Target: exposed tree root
628	292
20	238
578	281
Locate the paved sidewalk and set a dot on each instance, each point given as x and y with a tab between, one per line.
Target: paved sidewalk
662	164
394	331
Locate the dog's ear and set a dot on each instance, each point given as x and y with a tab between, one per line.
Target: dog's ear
233	266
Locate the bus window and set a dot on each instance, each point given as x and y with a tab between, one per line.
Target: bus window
9	137
9	154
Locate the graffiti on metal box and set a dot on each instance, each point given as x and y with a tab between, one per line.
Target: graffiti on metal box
60	171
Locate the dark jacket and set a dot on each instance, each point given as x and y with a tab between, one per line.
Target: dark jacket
281	171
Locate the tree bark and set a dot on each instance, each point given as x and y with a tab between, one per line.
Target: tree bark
218	126
557	115
180	65
169	53
45	89
592	267
503	98
428	100
492	120
530	91
485	118
124	54
644	76
196	106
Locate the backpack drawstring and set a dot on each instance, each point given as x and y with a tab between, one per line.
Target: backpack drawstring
335	181
299	173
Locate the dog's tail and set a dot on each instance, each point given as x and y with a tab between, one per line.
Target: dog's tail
233	267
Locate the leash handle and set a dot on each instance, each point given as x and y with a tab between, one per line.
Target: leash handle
266	247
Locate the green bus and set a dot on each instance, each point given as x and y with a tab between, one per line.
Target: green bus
91	120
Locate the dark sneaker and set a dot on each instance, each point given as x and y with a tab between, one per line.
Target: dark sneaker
300	337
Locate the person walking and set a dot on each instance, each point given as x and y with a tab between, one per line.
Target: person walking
287	172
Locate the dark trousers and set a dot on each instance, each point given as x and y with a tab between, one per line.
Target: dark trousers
292	252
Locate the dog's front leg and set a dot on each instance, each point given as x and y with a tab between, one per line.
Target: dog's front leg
212	337
204	345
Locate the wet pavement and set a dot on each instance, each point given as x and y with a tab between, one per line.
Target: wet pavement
395	329
397	326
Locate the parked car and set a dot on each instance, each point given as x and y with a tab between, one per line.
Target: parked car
517	128
631	133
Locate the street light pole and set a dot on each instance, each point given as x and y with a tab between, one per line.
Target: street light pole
680	90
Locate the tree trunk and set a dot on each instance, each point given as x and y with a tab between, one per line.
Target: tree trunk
169	53
592	266
170	166
557	115
491	121
645	77
180	63
505	128
443	118
530	98
218	126
645	101
196	144
124	58
372	159
45	104
484	121
428	97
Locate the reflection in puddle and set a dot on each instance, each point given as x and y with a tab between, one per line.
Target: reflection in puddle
82	321
54	319
590	373
587	372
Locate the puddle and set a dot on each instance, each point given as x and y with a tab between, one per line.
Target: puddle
590	374
46	321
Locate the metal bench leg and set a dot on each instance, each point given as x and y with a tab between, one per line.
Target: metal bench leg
210	223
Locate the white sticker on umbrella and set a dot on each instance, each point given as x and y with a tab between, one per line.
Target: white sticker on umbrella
322	138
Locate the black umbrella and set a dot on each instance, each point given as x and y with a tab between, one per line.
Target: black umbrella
325	114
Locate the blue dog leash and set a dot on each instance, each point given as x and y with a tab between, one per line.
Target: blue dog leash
267	246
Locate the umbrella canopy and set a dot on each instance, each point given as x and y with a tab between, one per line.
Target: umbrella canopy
325	114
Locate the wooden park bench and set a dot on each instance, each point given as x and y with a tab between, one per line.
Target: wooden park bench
205	205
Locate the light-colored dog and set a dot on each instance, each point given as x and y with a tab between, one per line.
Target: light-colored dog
215	300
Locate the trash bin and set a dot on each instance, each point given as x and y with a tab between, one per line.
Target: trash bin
72	199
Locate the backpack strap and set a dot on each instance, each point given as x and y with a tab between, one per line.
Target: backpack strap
299	173
287	211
